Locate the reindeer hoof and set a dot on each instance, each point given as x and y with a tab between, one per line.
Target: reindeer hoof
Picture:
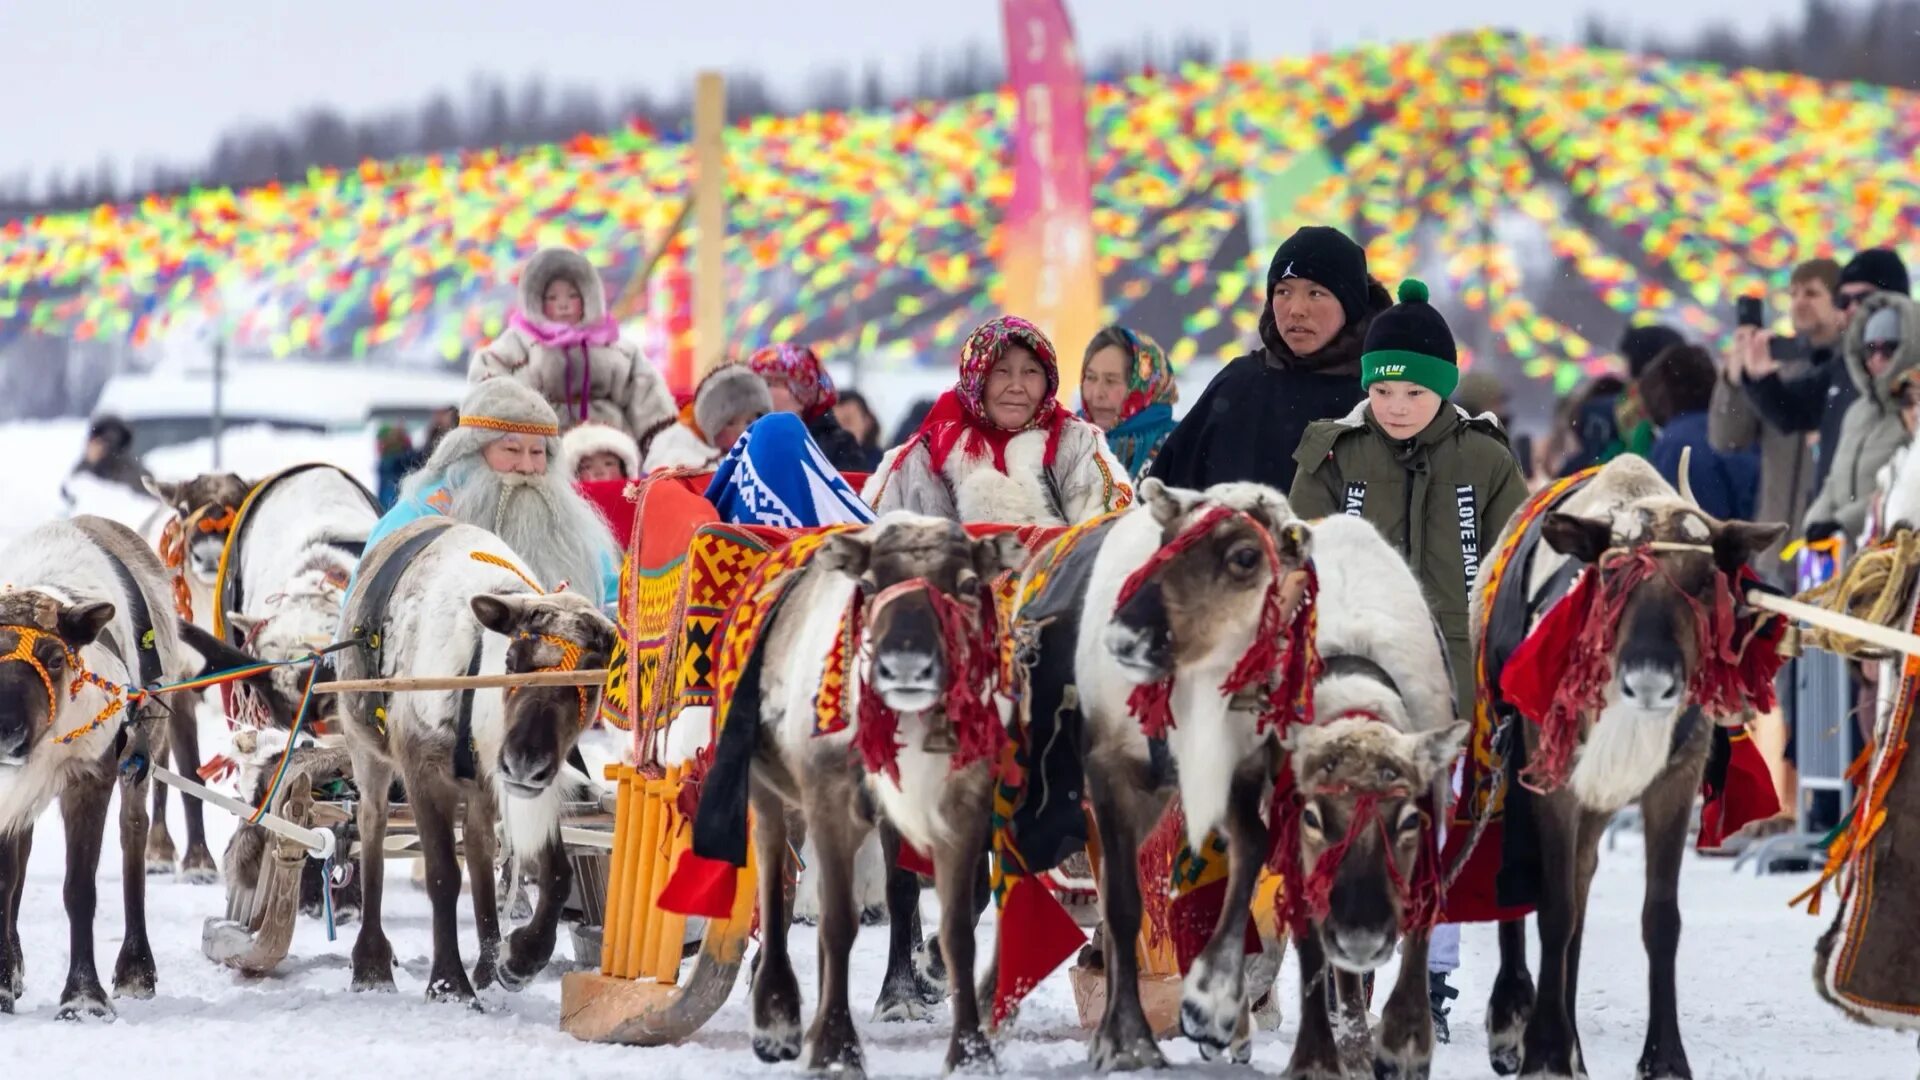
1313	1072
134	979
372	965
446	989
89	1004
1386	1068
776	1044
1503	1050
516	979
972	1055
198	868
902	1008
1107	1055
931	969
1662	1067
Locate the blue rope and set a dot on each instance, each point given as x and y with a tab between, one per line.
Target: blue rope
326	894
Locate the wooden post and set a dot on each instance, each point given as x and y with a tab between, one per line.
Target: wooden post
710	219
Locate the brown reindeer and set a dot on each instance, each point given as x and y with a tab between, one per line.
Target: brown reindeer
450	614
917	586
203	507
1659	564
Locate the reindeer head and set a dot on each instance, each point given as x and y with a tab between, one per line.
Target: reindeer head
206	505
903	632
1671	549
558	632
1202	604
299	620
40	640
1359	782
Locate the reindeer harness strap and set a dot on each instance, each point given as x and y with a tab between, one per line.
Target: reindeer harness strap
970	640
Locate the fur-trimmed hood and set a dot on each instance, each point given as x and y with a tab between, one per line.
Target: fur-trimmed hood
556	262
1908	358
593	438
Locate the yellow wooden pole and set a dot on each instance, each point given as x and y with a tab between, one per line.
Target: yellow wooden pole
710	220
646	886
673	927
657	851
618	896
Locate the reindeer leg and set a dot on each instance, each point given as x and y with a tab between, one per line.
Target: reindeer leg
530	947
904	993
1316	1054
478	845
837	831
133	971
13	878
1404	1047
1213	997
372	954
957	864
1512	1000
775	991
1547	1048
1665	807
197	865
1124	1041
83	809
159	854
433	806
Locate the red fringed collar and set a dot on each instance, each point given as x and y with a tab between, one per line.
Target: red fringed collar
968	636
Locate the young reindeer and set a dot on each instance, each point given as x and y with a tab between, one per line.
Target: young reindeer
86	612
1215	618
459	606
922	683
1627	724
189	538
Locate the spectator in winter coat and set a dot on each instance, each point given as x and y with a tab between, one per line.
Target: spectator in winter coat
563	344
1883	343
728	399
1127	390
1819	397
1610	419
999	446
109	455
1734	424
799	384
857	417
397	458
910	423
1314	313
1677	389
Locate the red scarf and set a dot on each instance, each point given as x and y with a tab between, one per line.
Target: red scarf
950	426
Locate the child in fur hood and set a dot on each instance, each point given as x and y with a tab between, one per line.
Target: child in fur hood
595	452
563	344
999	446
728	399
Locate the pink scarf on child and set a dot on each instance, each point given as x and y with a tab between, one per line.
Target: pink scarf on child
565	337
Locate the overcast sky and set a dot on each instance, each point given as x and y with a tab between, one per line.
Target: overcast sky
144	80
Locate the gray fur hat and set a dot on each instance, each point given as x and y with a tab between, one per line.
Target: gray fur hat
729	392
558	262
496	407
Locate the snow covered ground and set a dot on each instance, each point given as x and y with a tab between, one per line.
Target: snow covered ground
1747	1001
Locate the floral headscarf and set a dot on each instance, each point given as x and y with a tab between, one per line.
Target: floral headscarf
805	376
1149	377
959	417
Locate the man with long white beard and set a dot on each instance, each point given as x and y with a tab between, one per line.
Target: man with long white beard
492	471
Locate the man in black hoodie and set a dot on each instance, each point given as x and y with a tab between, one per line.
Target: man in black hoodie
1314	315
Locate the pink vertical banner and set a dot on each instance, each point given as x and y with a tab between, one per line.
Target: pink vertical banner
1046	252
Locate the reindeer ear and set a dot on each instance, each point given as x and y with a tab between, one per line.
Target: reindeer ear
1001	551
1165	502
161	490
1434	751
500	614
845	553
1295	541
80	624
1736	542
1582	538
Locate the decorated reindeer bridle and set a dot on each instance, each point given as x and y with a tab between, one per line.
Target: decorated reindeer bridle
1285	674
212	519
1730	677
969	640
29	637
570	651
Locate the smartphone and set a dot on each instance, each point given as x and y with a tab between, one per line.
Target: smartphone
1781	348
1750	311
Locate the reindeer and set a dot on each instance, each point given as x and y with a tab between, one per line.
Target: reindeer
459	604
85	615
1195	619
1663	559
917	585
189	536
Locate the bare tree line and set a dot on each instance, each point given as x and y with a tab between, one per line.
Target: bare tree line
492	113
1874	42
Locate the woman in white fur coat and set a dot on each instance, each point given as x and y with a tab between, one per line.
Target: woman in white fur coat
563	344
999	446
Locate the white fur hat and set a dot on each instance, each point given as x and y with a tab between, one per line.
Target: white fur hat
727	393
593	438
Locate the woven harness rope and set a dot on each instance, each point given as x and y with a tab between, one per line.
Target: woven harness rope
971	651
29	637
1876	586
491	559
570	651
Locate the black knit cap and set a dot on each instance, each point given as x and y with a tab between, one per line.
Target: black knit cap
1410	342
1641	344
1880	268
1328	257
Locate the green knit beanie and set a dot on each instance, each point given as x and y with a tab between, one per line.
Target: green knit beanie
1410	342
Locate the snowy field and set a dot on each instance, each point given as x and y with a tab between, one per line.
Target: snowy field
1747	1002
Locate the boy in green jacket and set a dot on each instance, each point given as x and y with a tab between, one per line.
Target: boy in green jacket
1438	484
